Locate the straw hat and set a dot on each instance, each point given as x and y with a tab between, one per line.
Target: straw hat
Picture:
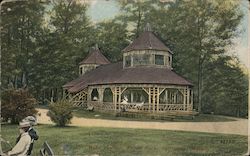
24	124
32	120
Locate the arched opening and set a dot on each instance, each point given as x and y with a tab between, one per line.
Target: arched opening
171	96
135	95
94	95
107	95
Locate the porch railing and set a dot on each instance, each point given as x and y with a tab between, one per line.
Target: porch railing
136	107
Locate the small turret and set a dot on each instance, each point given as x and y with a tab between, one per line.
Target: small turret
93	60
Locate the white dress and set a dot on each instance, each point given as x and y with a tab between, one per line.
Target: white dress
22	146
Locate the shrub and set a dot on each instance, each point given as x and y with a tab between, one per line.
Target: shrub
17	104
60	112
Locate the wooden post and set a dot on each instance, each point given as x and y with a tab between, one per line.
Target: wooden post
192	99
115	98
154	99
158	98
171	97
100	92
184	100
166	95
119	98
89	95
175	97
132	96
149	99
188	100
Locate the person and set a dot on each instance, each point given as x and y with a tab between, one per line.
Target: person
23	144
31	131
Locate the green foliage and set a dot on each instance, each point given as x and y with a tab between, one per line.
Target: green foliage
21	23
136	13
72	36
198	31
61	112
17	104
42	46
229	95
112	38
66	40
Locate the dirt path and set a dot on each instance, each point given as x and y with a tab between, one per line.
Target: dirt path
233	127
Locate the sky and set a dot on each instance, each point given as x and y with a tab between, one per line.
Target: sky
103	9
107	9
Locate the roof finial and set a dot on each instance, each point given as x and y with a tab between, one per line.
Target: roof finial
147	27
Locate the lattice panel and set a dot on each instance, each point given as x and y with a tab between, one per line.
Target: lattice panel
138	107
79	104
79	99
190	107
171	107
108	106
102	106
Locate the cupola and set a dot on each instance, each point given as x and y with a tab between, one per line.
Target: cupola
147	50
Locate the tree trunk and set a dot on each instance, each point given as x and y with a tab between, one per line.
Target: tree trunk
200	86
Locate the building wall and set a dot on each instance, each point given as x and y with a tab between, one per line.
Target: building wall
86	67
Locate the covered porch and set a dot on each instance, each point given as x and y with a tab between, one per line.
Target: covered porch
140	98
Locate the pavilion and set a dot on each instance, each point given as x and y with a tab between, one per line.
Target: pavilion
143	82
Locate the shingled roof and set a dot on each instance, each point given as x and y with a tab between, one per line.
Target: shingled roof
95	57
115	74
147	41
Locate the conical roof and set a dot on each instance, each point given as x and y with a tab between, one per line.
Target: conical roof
95	57
147	41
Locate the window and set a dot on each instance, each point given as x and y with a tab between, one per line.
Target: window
137	59
107	95
94	95
159	59
146	59
127	61
141	59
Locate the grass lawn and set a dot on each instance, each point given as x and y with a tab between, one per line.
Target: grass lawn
132	142
101	115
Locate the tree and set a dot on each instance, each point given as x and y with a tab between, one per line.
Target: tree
136	13
203	30
197	31
21	24
61	112
44	54
112	38
67	40
17	104
230	96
